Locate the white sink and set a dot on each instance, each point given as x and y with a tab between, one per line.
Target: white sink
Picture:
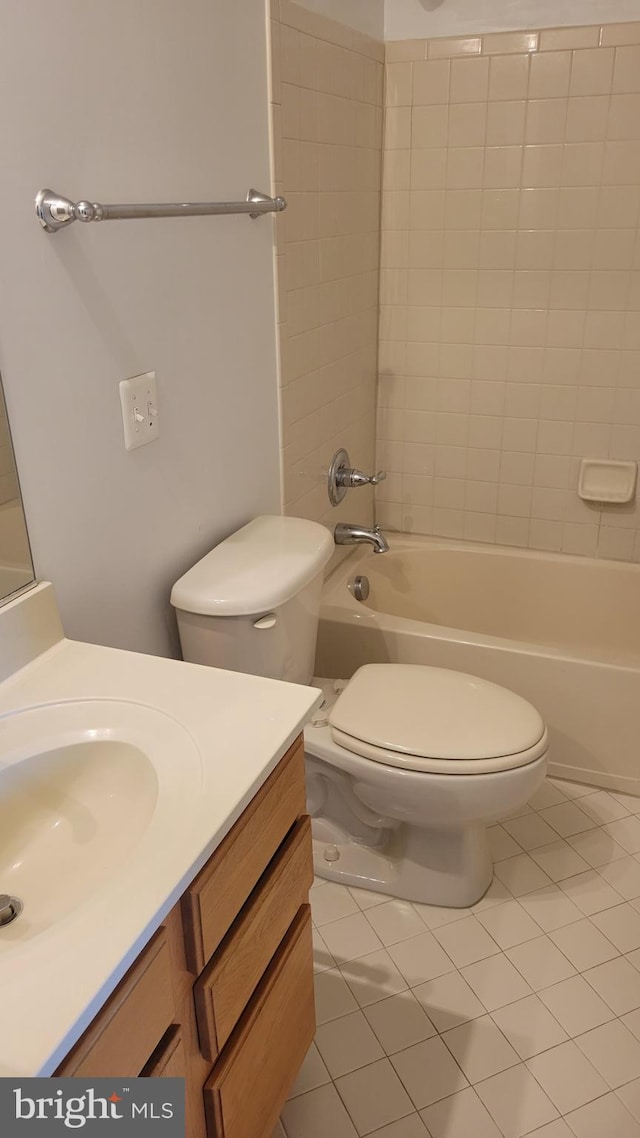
81	785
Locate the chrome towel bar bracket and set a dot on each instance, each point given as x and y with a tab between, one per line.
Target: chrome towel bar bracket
55	212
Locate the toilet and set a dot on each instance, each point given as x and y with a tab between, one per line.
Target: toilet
406	764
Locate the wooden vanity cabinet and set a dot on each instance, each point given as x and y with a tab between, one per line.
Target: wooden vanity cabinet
222	995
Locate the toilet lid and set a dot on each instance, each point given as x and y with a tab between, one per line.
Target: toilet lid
409	714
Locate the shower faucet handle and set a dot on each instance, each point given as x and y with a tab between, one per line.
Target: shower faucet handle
349	477
342	476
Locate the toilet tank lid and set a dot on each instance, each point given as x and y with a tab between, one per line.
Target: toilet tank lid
261	566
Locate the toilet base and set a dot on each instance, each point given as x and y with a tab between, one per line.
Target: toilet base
449	867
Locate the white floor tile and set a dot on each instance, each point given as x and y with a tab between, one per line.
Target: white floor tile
560	860
575	1005
596	847
583	944
551	908
547	795
399	1022
372	977
590	892
496	981
322	958
567	818
429	1072
529	1026
530	831
626	832
333	996
411	1126
434	916
572	789
624	876
501	843
540	962
518	813
567	1076
329	902
630	801
466	941
520	875
395	921
509	924
480	1049
318	1114
632	1021
421	959
312	1074
350	937
374	1096
557	1129
630	1096
618	983
462	1115
516	1102
449	1001
347	1043
603	807
604	1118
496	894
621	925
634	957
614	1052
368	898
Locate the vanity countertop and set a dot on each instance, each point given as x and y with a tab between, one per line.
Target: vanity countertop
240	726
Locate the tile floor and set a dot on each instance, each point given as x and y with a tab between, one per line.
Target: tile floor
518	1016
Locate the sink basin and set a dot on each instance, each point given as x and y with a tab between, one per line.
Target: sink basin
81	784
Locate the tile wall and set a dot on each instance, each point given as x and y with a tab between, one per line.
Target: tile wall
510	285
327	93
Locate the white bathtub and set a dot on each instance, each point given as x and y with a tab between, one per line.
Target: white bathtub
564	632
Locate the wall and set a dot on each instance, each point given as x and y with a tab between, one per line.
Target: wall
327	122
125	102
421	19
364	15
510	288
8	481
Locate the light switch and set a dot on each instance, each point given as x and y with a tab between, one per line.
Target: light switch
140	417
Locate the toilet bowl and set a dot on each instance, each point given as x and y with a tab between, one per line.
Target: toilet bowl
406	764
415	825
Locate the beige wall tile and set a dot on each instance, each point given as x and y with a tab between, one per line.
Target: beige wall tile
509	77
592	71
555	39
506	123
626	71
469	80
429	126
587	118
398	81
546	119
613	34
460	45
467	124
431	82
399	51
550	75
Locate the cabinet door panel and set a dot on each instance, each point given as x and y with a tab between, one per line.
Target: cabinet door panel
250	1082
215	898
225	987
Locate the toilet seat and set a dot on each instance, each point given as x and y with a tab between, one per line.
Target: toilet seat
434	720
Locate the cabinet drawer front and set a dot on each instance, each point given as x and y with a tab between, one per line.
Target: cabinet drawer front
216	896
226	986
132	1022
168	1060
248	1086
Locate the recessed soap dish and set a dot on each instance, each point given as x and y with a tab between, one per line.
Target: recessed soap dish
603	480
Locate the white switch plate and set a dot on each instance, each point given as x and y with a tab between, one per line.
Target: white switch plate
140	418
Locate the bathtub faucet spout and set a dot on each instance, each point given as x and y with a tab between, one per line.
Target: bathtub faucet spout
346	533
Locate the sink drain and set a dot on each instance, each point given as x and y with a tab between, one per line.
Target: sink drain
10	908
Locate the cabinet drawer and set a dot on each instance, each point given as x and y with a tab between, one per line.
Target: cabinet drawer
127	1030
247	1087
224	989
215	898
168	1060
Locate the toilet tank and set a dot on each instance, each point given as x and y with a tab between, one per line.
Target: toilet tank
252	604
